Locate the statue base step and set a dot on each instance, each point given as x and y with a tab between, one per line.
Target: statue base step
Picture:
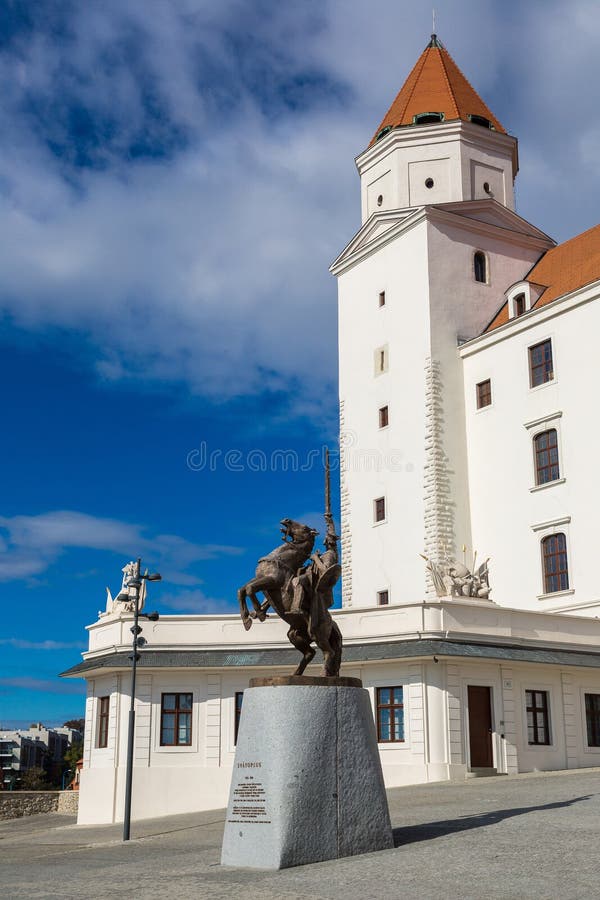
307	782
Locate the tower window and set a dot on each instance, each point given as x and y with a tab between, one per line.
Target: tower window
554	559
381	360
379	509
383	132
103	712
380	200
484	393
382	298
541	368
384	417
546	456
428	118
481	120
383	598
429	182
480	267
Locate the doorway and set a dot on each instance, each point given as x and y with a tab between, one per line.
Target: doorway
480	726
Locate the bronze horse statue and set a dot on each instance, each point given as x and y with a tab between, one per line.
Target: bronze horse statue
299	594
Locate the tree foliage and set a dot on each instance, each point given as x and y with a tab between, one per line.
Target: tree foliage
35	779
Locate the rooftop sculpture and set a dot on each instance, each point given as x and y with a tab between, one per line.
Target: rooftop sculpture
454	579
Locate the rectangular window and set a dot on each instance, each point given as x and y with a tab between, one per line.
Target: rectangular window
519	304
380	509
555	564
484	393
382	298
383	598
384	417
103	708
390	715
592	718
381	360
546	456
541	368
538	729
239	697
176	720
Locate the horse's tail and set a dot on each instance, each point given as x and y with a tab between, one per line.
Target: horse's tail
335	640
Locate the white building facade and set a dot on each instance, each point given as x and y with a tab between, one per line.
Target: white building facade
465	348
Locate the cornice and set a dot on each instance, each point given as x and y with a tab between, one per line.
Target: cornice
415	136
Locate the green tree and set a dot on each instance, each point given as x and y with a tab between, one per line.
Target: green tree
71	757
35	779
77	724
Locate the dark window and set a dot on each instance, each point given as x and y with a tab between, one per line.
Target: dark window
428	118
103	708
480	266
540	363
382	298
429	182
380	509
384	418
382	361
239	697
390	714
554	555
546	456
176	720
480	120
519	304
484	393
592	718
538	731
383	598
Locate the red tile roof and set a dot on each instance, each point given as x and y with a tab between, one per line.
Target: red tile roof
562	270
436	84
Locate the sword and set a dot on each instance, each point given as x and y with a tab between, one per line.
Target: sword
327	487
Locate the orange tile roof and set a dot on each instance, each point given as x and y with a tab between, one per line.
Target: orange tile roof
562	270
436	84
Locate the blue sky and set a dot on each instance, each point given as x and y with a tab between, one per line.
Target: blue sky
175	178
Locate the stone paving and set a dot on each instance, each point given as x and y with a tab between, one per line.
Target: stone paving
518	837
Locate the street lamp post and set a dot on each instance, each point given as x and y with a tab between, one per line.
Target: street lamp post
135	582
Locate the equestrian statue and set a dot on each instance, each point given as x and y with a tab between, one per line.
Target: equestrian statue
298	584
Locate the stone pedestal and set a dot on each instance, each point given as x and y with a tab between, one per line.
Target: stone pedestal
307	782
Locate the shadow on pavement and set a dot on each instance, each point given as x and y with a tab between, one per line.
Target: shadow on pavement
411	834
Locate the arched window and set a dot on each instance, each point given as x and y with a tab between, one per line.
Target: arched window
554	560
480	266
545	447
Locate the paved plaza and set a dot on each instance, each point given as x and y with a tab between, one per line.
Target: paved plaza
518	837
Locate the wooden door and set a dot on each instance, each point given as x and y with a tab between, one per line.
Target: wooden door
480	727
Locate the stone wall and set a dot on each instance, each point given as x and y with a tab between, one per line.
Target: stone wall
14	804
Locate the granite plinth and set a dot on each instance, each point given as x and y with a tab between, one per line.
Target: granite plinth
307	782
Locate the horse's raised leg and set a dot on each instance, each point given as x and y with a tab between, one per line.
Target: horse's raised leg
246	620
264	584
301	641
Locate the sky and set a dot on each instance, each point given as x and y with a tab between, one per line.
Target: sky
176	177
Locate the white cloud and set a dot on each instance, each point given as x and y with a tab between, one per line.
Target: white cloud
22	644
208	264
197	602
31	543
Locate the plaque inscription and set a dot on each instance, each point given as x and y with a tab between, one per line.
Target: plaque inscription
249	802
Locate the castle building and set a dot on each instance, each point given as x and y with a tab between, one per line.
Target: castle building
466	341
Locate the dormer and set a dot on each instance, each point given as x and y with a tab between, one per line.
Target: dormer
521	297
438	143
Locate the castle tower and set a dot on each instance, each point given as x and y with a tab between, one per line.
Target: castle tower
439	245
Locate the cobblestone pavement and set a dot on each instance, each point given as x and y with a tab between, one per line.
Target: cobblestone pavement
518	837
